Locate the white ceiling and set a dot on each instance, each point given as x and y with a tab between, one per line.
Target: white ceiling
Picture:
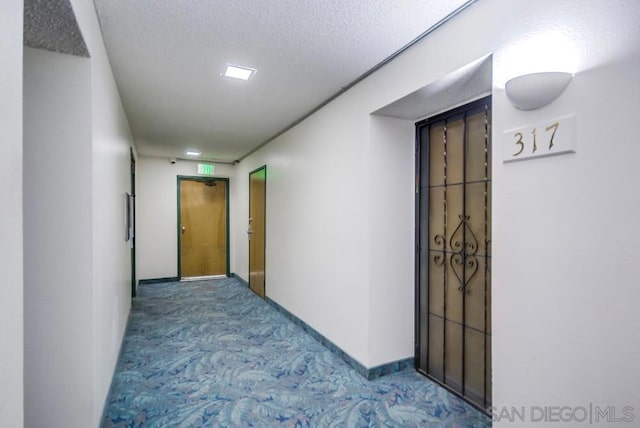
168	56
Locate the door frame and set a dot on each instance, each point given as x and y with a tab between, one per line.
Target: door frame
421	166
134	282
225	180
263	167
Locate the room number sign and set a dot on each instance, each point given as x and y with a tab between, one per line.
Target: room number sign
552	137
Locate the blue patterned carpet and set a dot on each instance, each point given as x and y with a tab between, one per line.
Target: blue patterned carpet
211	353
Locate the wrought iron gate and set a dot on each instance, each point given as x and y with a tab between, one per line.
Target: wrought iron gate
453	251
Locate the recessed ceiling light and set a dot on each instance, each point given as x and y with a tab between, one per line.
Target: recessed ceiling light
239	72
192	153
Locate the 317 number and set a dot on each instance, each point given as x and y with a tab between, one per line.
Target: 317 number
520	143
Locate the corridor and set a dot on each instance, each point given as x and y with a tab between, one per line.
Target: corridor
211	353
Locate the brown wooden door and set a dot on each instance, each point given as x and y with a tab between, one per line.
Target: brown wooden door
256	231
203	227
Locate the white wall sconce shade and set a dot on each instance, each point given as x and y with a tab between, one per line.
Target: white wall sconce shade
536	90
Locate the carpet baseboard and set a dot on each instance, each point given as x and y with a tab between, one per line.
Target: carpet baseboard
368	373
158	280
239	278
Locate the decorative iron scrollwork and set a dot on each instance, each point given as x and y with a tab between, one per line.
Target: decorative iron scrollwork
463	248
461	235
470	262
465	244
439	259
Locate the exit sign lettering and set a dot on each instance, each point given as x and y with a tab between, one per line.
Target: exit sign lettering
206	169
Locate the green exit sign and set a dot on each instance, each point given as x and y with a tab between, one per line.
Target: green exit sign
206	169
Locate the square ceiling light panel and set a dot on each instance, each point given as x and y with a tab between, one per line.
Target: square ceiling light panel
239	72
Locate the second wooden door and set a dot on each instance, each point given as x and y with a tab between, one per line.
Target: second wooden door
256	231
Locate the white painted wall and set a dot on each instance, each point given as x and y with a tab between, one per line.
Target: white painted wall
319	219
391	227
110	176
11	292
564	231
57	240
317	223
564	271
77	275
157	213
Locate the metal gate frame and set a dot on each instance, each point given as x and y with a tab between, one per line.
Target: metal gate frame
465	256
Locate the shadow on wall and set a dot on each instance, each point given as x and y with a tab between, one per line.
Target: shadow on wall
468	83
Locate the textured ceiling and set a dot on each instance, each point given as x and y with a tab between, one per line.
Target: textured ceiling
168	56
51	25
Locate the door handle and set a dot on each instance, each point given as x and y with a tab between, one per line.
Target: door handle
183	229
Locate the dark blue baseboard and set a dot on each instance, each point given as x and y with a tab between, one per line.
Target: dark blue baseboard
158	280
236	276
369	374
115	369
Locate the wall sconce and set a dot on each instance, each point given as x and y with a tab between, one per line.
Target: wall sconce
536	90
